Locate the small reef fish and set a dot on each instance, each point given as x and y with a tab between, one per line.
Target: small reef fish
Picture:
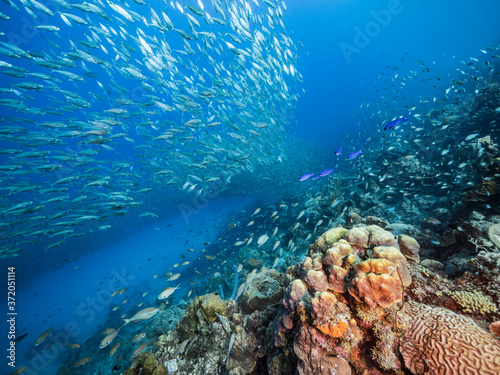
114	348
354	155
110	337
19	370
138	337
43	336
139	350
432	220
231	343
305	176
81	362
168	292
325	172
262	240
145	314
181	348
20	338
174	277
395	123
338	151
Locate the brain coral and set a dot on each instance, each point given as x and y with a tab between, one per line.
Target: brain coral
442	342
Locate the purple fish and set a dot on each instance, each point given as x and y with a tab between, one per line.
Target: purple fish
338	151
354	154
325	172
305	176
315	177
395	123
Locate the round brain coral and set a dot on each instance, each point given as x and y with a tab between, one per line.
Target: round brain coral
445	343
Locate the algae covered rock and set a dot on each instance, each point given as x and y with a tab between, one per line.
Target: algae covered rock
211	305
313	359
147	364
266	288
206	306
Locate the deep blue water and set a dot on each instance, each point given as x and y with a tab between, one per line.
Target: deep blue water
351	84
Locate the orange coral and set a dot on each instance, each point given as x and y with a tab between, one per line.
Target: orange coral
376	283
333	331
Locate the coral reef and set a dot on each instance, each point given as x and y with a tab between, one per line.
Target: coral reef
359	303
344	300
222	336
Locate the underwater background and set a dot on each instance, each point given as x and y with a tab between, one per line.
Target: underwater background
153	153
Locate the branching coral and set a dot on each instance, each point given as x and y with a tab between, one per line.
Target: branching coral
474	302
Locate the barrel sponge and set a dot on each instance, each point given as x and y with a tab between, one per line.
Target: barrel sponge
443	342
376	282
211	305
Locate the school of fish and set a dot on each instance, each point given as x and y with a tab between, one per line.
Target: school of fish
137	100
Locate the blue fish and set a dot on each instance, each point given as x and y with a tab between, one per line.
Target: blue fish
354	154
305	176
315	177
325	172
395	123
338	151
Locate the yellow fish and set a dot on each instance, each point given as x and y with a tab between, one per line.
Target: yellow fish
174	277
114	348
81	362
43	336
